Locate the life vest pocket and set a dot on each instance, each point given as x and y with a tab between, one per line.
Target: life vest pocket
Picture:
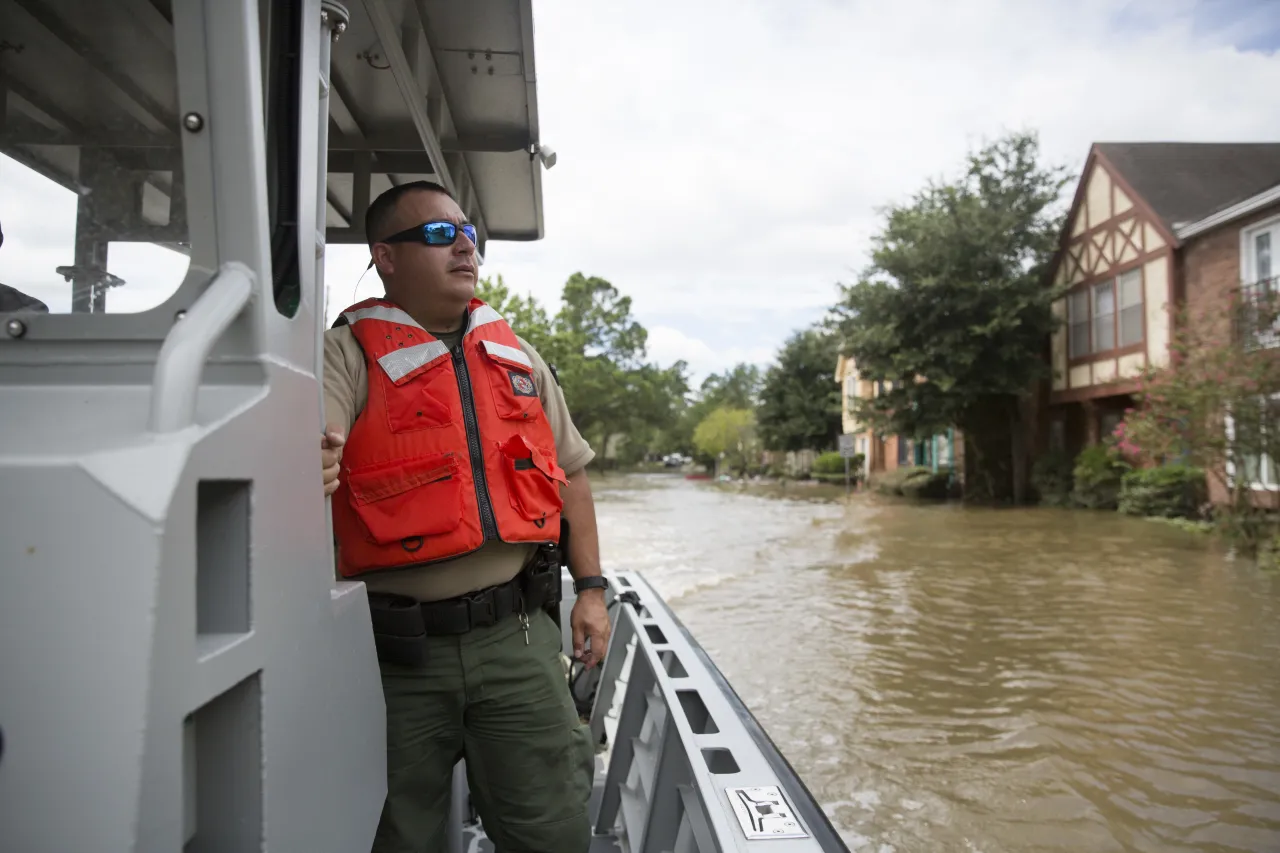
407	499
533	479
510	373
423	401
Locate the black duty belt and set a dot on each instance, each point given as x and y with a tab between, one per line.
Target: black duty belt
401	624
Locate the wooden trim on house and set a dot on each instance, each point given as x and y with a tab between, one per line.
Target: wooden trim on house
1141	209
1094	392
1065	238
1116	271
1107	355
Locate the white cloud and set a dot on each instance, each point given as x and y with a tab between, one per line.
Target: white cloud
668	345
722	161
726	161
39	221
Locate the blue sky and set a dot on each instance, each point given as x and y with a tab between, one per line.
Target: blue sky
1249	25
722	162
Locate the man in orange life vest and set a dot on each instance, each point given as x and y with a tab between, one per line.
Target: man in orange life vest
443	449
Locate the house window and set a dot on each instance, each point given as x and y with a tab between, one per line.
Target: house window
1131	308
1262	254
1261	469
924	453
1057	435
1104	317
1261	282
1261	472
1078	319
1107	423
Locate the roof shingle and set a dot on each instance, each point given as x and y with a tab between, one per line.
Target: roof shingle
1187	181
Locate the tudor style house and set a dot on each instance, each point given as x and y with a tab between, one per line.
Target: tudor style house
1154	227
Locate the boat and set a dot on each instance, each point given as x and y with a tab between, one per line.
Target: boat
179	668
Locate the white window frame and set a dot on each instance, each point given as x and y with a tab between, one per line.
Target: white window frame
1249	272
1264	465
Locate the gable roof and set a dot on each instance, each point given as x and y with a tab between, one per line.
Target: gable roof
1186	181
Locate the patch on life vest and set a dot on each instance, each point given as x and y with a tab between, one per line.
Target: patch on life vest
522	385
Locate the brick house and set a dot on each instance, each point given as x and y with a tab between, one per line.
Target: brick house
1154	227
886	453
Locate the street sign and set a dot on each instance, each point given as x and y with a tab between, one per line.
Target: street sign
847	446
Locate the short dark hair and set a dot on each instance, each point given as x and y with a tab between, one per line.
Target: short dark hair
381	209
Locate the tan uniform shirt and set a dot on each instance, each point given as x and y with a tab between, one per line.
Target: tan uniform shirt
346	388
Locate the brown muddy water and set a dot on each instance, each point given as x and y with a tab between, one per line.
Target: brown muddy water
951	679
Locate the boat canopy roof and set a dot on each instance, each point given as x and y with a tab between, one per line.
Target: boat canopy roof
420	89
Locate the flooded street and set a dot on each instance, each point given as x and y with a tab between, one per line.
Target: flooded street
1009	681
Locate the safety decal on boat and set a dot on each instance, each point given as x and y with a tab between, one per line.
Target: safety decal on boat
763	812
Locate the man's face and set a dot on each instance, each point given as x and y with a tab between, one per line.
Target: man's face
415	273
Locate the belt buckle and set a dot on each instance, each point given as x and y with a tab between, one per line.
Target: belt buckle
480	609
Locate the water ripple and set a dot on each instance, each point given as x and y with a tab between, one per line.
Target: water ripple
953	679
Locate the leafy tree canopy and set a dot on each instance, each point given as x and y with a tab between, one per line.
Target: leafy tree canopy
598	351
799	398
955	304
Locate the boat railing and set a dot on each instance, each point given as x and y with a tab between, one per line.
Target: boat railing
689	767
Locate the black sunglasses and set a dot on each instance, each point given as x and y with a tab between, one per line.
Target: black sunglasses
432	234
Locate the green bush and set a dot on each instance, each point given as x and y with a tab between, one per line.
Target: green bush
829	468
1053	477
925	485
1171	491
915	482
1097	474
890	482
833	463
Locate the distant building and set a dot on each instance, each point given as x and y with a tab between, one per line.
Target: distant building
885	453
1152	227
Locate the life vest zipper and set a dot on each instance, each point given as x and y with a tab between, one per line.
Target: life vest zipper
487	522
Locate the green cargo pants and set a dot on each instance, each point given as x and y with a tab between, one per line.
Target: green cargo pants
505	706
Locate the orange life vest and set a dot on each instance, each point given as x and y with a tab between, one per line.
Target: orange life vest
452	450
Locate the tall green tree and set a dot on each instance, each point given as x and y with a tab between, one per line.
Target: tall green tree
728	435
598	351
955	305
736	388
526	315
799	398
597	346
